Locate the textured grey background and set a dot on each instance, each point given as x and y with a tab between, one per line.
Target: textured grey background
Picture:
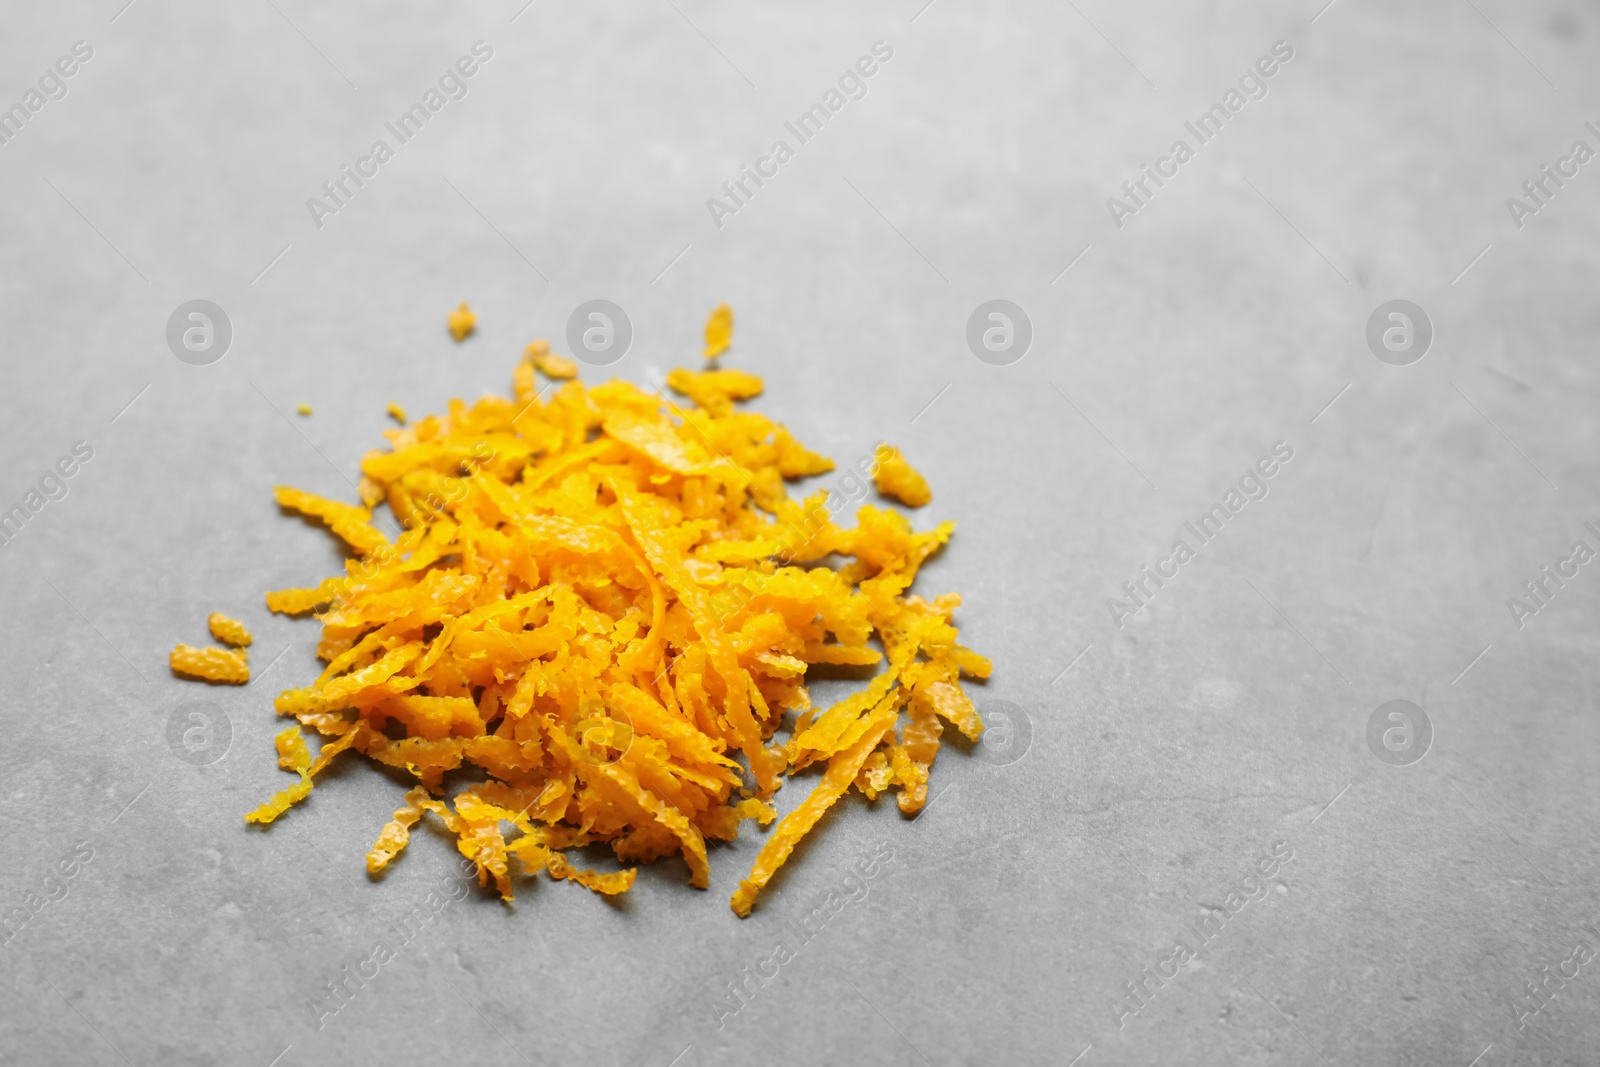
1227	716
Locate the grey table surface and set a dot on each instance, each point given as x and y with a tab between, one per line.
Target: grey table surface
1151	762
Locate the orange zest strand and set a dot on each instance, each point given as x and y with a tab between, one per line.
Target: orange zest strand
222	665
719	331
228	631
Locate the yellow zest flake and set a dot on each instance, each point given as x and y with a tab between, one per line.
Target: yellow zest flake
608	884
715	390
840	775
346	520
303	409
210	664
397	413
598	624
461	322
548	363
294	756
228	631
719	331
301	601
396	833
899	479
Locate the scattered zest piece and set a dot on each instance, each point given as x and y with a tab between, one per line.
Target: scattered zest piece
210	664
346	520
899	479
397	413
397	833
549	364
719	331
607	884
461	321
294	756
304	409
228	631
599	617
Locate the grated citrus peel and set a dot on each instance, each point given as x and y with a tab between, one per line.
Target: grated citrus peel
608	604
899	479
223	665
548	363
228	631
719	331
461	322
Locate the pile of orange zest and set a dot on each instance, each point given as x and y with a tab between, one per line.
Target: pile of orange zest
222	665
461	321
719	331
607	604
228	631
899	479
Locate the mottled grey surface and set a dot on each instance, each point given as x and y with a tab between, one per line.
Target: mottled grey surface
1167	755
